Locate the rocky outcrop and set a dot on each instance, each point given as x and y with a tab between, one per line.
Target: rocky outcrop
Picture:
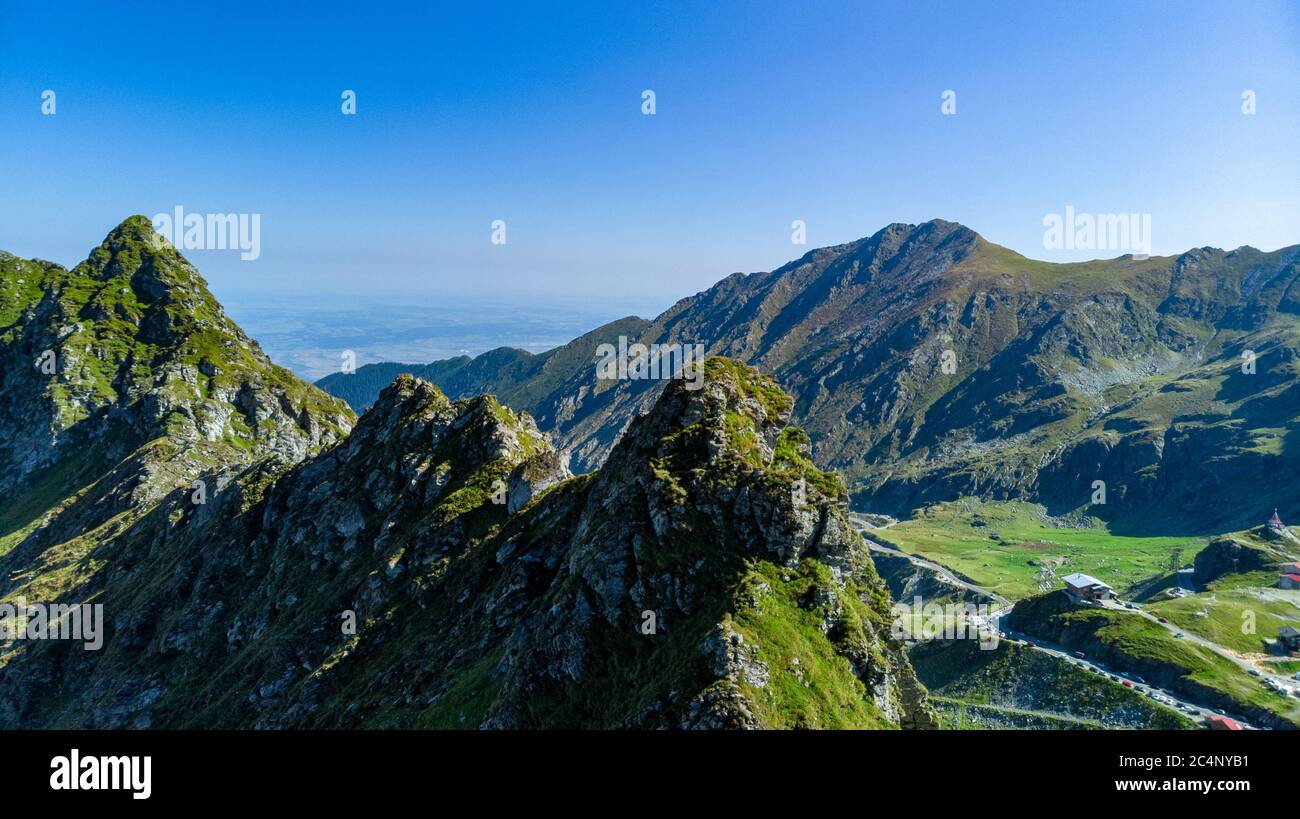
436	567
1224	556
928	364
129	346
534	476
908	581
685	538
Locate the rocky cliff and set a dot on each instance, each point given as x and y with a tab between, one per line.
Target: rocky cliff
927	363
436	567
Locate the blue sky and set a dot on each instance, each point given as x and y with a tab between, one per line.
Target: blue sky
765	113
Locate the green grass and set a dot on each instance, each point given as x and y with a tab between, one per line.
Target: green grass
1001	546
1144	643
1225	616
1281	666
811	684
1244	580
1142	638
466	702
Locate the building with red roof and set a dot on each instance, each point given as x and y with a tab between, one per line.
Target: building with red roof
1222	723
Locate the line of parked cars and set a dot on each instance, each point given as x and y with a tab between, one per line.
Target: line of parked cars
1277	687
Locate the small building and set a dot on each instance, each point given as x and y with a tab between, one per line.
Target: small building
1288	639
1222	723
1083	587
1290	580
1275	523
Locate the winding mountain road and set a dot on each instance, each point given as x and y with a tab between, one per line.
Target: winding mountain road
995	618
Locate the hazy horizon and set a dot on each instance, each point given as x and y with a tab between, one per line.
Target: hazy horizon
535	117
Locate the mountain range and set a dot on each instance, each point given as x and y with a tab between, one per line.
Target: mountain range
927	364
262	557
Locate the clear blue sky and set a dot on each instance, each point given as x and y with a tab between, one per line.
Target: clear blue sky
824	112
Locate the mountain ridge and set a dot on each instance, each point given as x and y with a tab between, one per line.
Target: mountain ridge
433	564
1056	368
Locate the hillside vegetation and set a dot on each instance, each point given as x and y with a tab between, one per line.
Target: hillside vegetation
262	562
928	364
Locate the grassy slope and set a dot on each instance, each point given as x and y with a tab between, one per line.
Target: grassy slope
958	535
1227	617
1129	642
811	685
1029	683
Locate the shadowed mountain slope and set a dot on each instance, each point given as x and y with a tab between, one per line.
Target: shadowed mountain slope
259	566
927	363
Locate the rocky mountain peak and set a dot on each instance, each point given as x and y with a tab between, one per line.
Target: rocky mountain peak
707	512
135	257
412	415
695	581
728	412
131	339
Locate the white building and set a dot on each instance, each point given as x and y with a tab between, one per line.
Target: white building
1087	587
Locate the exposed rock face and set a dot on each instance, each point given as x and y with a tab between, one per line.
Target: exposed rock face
131	343
382	579
1225	556
534	476
927	364
691	532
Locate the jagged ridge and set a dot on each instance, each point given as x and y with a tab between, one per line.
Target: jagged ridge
1128	371
437	567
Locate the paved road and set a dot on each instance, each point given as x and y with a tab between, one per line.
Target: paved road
1244	664
942	572
1186	707
995	622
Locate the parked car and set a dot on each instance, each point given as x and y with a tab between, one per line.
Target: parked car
1162	620
1079	654
1128	684
1254	672
1179	634
1031	644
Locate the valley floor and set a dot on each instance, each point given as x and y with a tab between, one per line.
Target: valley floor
1222	634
